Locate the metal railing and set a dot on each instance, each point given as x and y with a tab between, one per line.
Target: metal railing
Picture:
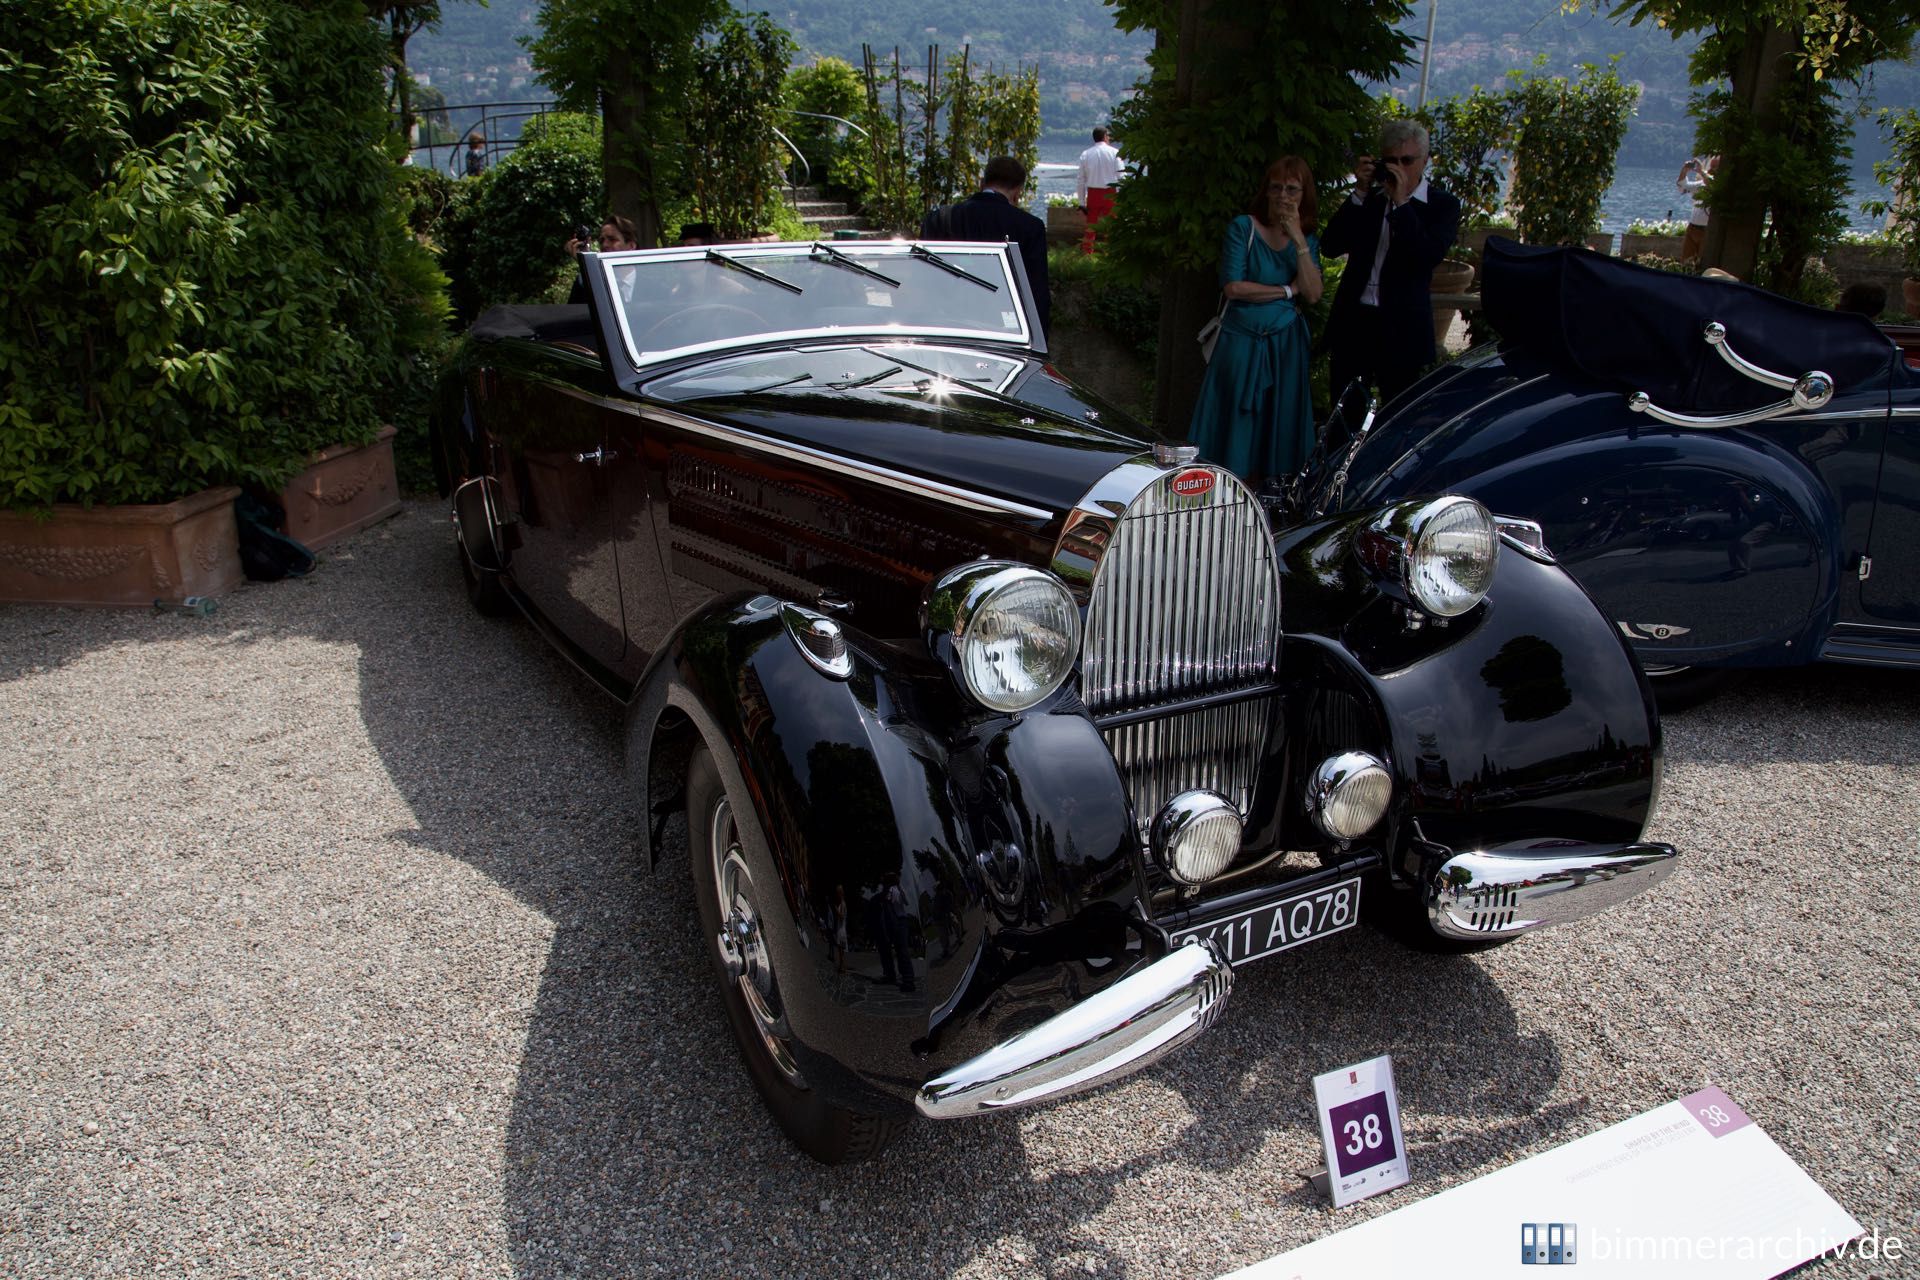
490	119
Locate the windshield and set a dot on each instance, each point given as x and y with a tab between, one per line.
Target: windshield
918	370
676	301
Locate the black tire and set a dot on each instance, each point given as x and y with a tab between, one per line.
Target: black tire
749	984
485	592
1677	688
1401	915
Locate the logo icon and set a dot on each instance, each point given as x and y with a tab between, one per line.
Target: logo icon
1191	484
1652	630
1548	1244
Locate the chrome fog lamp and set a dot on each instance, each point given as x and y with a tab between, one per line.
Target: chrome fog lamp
1348	794
1010	632
1196	836
1436	555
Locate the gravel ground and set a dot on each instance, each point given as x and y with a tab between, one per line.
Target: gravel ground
325	952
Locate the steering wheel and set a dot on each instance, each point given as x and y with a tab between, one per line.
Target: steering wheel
689	315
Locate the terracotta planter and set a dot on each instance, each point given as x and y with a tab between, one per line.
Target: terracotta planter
126	555
1910	292
1066	224
347	488
1448	277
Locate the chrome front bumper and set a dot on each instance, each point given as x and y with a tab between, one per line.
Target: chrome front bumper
1129	1025
1498	892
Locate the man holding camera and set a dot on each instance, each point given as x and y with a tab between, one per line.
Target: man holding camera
1394	230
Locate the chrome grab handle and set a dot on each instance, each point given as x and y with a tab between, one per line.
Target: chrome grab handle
597	456
1811	390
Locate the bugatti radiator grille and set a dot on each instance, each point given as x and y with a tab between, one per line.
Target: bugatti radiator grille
1185	605
1218	748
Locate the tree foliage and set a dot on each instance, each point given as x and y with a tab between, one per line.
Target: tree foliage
1766	72
929	131
734	158
634	61
204	267
826	87
1900	174
504	235
1566	134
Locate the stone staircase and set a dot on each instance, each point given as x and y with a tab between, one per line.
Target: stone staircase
825	217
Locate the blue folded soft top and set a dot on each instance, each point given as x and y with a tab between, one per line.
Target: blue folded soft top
1635	328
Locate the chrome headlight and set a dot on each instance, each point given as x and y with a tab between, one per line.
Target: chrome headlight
1348	793
1010	632
1437	555
1196	836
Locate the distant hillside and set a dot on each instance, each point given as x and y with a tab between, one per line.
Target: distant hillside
1086	66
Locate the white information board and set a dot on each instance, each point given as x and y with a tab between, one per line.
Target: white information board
1360	1129
1693	1190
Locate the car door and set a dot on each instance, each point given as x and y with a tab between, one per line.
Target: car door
547	424
1890	587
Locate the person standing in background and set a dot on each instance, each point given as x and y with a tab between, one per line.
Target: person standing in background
994	216
1693	176
476	154
1393	231
1255	411
1099	174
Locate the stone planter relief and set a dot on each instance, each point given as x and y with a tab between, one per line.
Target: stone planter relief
347	488
123	555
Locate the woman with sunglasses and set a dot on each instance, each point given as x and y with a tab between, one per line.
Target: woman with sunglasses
1255	412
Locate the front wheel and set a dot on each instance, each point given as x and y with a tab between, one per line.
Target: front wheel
731	906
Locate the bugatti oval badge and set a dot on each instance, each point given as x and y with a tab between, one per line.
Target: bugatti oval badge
1191	484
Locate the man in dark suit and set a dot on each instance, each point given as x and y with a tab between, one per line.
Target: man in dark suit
994	215
1394	230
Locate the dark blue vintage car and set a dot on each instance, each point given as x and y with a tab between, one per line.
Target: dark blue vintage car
1003	730
1734	477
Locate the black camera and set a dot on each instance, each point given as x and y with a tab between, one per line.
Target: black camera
583	234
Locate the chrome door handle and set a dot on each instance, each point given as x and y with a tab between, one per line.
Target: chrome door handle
599	457
1811	390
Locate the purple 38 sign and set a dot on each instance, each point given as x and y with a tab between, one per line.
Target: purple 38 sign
1362	1134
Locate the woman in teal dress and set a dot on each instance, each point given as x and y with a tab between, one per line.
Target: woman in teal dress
1255	412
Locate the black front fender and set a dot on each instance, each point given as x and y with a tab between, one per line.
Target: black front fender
1527	717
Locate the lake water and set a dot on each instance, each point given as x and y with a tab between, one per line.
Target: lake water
1638	193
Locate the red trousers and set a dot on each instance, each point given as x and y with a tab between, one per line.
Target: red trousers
1099	205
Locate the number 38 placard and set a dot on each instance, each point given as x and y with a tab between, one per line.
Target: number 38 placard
1360	1127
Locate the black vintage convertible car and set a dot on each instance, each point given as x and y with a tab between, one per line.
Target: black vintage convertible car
1733	476
1003	730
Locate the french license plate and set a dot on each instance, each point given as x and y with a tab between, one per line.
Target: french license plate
1280	925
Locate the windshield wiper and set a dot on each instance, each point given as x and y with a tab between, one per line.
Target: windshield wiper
714	255
928	255
775	386
840	259
866	381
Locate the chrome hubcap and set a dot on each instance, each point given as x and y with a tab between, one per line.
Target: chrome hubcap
743	947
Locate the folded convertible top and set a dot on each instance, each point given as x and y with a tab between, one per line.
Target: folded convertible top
1635	328
561	322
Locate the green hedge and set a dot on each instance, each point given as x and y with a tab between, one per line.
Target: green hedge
203	258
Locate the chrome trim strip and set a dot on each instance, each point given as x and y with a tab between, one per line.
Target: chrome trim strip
1499	892
1131	1024
1904	411
1716	336
872	472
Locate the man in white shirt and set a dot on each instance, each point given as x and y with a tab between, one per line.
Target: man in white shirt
1099	172
1393	230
